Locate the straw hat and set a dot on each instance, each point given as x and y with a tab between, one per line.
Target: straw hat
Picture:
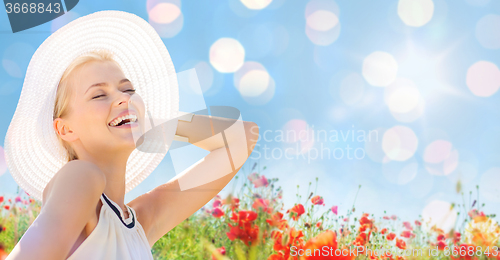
33	152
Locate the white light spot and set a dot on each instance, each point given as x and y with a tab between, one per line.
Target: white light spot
322	20
399	143
165	16
164	13
483	78
404	100
254	83
415	13
227	55
380	69
441	214
437	151
256	4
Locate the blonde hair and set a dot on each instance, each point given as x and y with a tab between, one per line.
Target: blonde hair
61	106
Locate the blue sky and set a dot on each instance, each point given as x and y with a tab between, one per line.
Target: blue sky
310	87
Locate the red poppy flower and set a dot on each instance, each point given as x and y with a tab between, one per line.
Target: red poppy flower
335	209
407	225
261	182
407	234
262	204
400	243
1	199
391	236
441	245
7	207
277	220
217	203
244	230
217	212
296	211
317	200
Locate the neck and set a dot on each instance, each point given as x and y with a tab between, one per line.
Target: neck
114	168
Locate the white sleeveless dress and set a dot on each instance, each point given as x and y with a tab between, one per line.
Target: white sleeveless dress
114	237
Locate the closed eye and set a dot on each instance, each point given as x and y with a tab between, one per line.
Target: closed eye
130	90
98	96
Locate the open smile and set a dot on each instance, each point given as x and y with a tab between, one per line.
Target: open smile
126	119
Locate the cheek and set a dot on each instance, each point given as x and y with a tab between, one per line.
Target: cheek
91	117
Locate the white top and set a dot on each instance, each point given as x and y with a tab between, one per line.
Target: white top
114	237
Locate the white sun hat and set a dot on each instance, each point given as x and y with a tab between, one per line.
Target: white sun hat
32	150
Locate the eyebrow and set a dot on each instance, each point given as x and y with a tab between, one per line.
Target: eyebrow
103	84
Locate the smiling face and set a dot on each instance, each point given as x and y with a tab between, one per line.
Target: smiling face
105	114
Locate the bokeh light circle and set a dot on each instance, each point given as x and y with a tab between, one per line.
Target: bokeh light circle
440	158
256	4
164	13
489	187
399	143
415	13
440	214
322	22
380	69
165	16
487	31
437	151
298	137
254	83
227	55
402	96
483	78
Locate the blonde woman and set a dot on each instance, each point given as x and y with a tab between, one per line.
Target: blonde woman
73	142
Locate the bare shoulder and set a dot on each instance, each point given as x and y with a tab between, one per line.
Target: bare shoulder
69	203
77	172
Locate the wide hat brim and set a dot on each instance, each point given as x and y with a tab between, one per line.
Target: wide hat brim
32	150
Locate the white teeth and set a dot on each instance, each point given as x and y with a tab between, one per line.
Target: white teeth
133	118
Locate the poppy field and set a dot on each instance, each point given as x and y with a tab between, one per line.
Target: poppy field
254	225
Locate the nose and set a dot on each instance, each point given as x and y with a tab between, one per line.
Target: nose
123	99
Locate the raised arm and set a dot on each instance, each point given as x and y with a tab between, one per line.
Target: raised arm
167	205
70	199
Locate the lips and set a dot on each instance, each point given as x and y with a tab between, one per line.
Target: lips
126	118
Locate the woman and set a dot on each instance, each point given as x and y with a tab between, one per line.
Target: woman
97	115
